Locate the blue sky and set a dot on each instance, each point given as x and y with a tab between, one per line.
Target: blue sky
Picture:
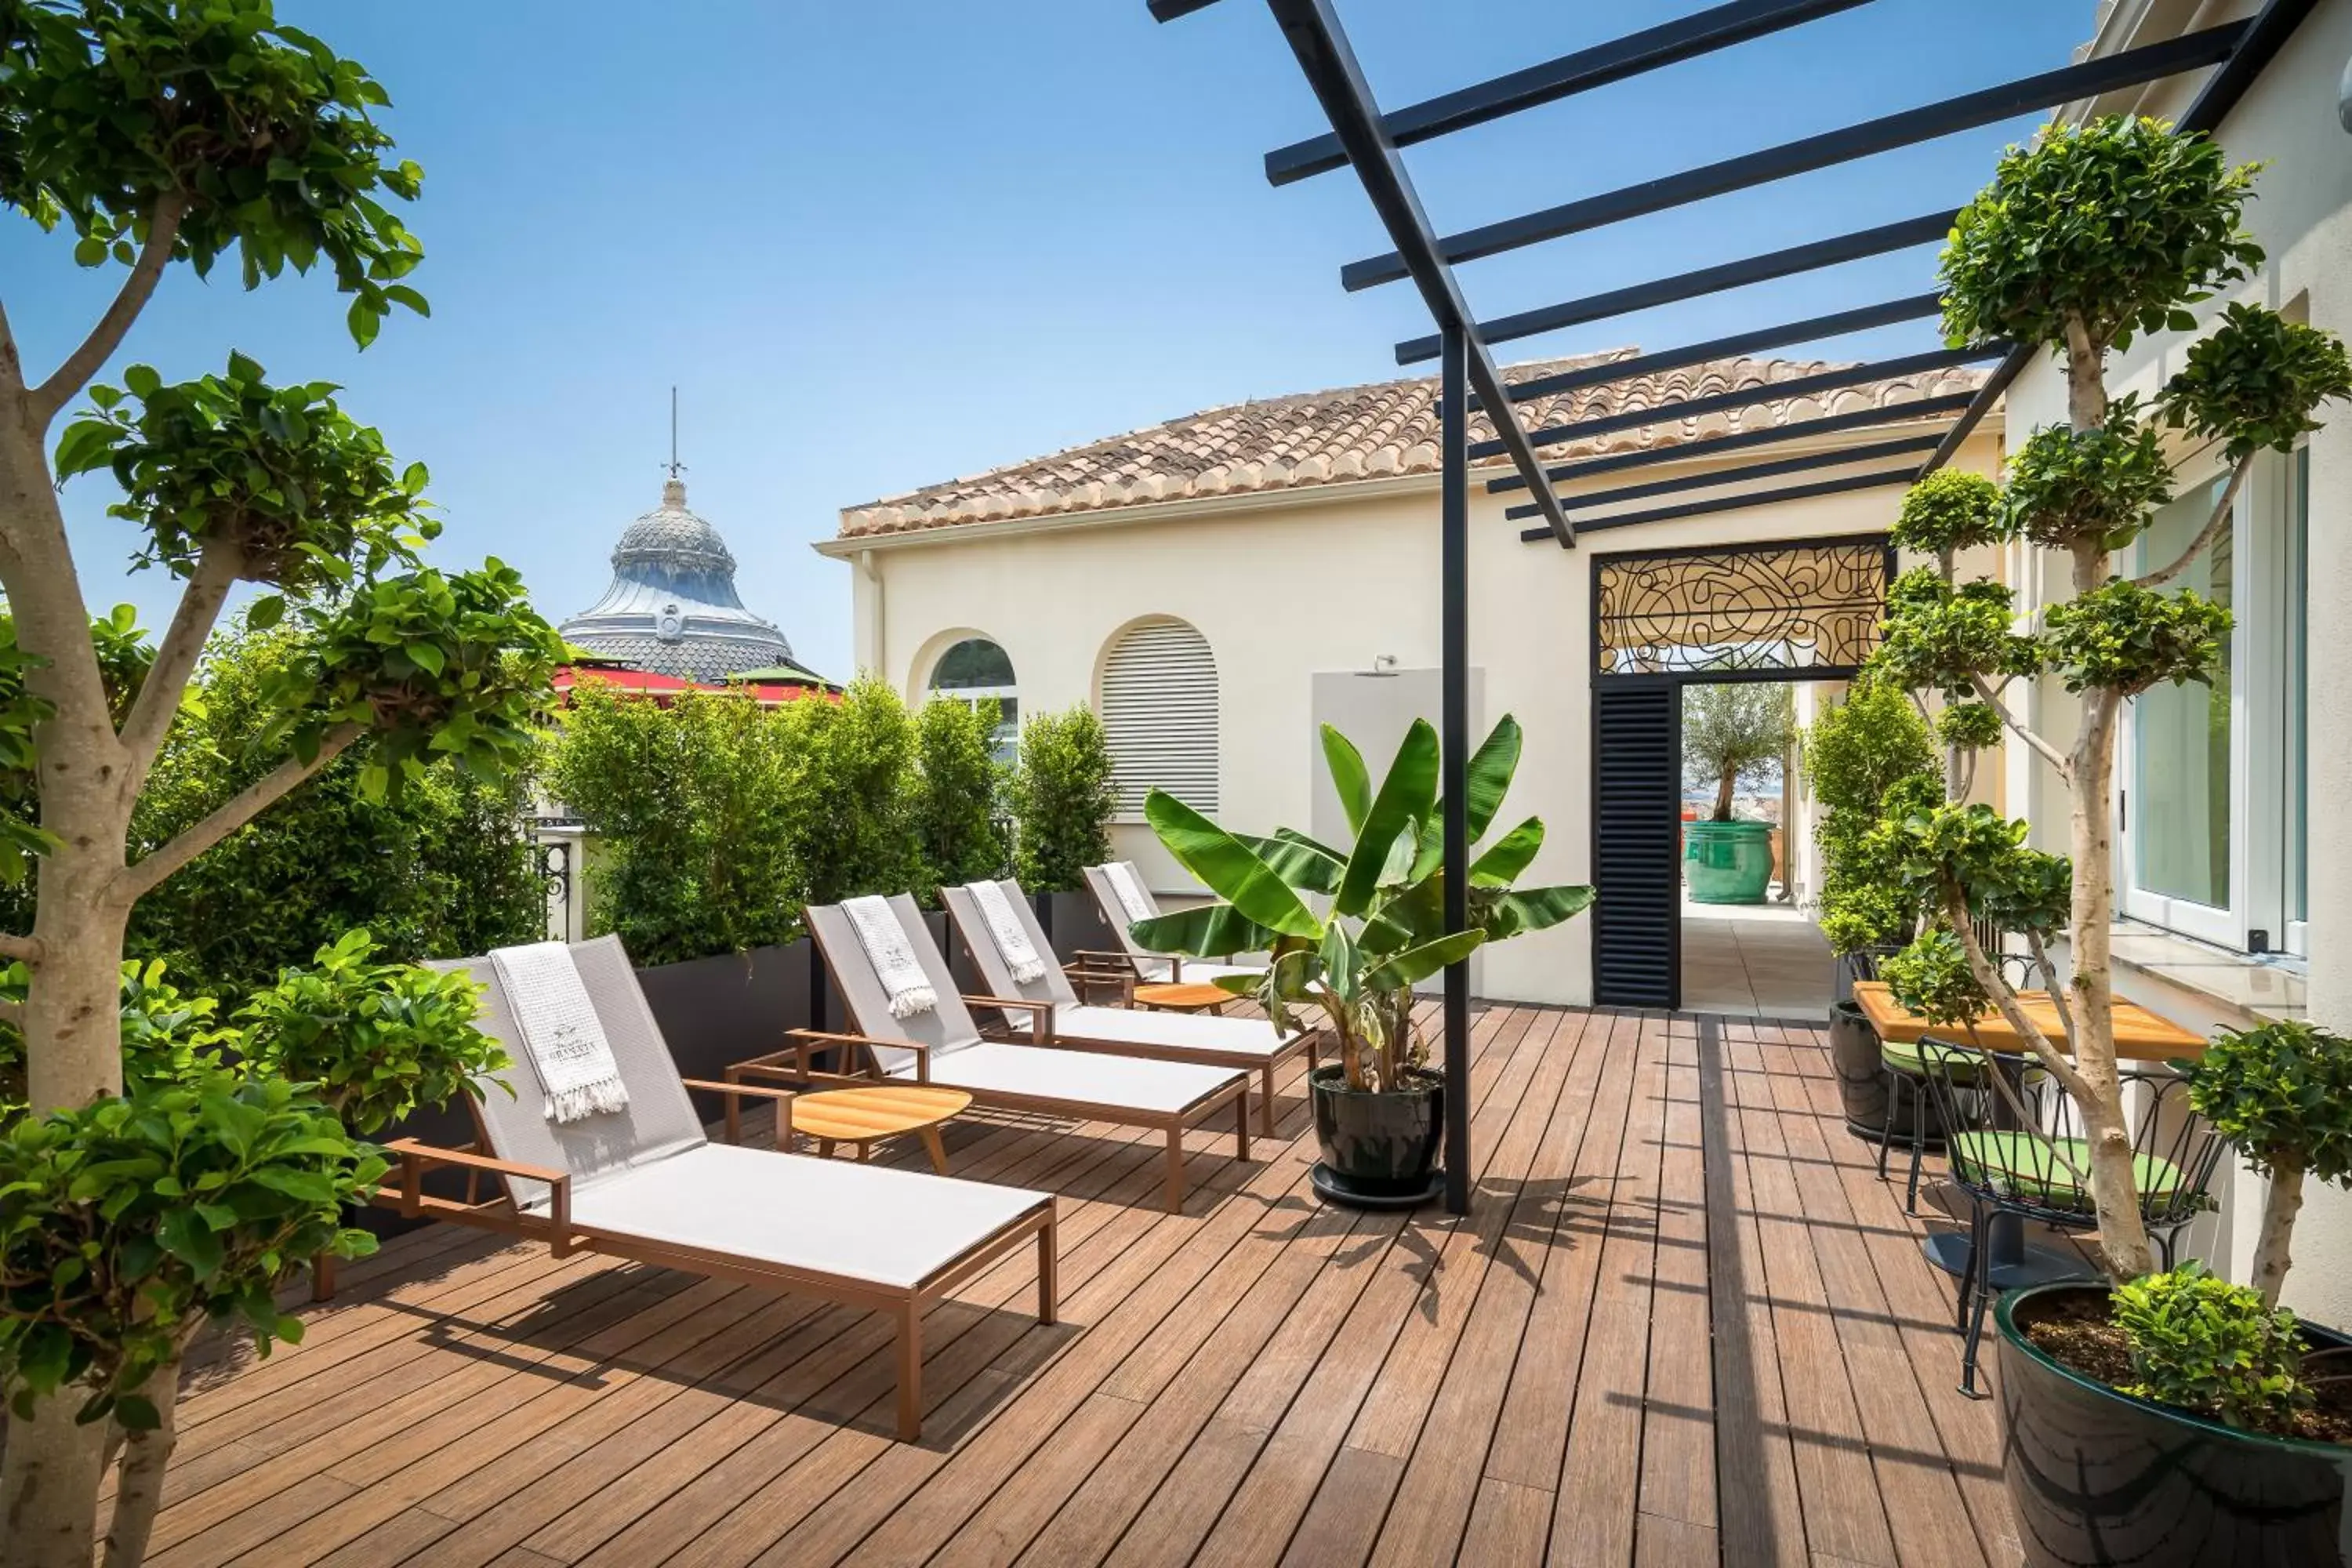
879	246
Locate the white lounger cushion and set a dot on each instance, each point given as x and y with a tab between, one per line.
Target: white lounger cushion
1117	1084
1128	1027
830	1217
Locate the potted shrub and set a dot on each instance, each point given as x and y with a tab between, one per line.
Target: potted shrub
2184	1409
2092	234
2177	1419
1379	1109
1857	752
1730	734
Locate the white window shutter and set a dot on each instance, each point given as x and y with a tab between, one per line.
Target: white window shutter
1160	713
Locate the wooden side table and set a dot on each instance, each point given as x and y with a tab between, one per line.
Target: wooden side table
864	1117
1183	997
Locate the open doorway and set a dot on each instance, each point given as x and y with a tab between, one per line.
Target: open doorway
1785	615
1748	944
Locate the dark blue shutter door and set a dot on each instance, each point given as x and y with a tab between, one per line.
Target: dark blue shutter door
1637	914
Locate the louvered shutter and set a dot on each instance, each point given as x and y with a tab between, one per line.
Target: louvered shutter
1160	713
1637	914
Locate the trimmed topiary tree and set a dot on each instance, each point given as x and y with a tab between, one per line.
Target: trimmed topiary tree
158	133
1856	751
2281	1093
2094	233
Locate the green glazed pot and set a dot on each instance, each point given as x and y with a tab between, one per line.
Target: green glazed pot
1727	862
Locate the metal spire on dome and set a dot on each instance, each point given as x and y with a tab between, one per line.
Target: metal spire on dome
674	488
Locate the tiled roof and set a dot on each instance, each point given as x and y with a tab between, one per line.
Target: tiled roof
1353	433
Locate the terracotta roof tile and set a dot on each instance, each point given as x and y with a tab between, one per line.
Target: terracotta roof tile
1349	432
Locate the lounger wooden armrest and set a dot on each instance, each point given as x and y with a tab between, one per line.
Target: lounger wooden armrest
734	1091
415	1158
1041	1013
803	1038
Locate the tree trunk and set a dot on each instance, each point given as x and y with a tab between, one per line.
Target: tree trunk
2279	1210
145	1456
49	1482
71	1018
1723	788
2123	1237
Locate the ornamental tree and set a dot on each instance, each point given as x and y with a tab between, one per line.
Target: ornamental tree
2093	234
157	132
2282	1094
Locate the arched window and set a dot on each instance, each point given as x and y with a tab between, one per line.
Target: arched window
1159	714
973	672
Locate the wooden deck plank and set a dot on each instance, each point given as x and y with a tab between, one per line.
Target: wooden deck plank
1686	1322
1600	1481
1761	1515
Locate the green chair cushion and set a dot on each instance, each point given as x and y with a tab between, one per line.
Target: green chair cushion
2026	1167
1905	1057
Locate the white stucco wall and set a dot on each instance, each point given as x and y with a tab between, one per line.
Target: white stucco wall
2302	217
1283	586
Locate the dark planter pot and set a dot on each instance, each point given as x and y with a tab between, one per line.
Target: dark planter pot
1861	1082
1727	862
715	1011
2097	1477
1379	1146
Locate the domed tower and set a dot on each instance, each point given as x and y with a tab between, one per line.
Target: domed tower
672	608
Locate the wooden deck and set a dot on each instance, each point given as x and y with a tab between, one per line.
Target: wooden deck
1684	1322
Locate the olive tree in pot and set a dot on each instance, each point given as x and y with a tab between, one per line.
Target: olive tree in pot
2094	233
1857	752
1731	734
1378	1110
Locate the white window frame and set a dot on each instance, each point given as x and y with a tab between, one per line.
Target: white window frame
1006	743
2257	697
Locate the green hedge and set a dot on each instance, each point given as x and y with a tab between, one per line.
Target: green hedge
715	820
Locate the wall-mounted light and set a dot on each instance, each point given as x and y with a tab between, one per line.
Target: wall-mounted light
1384	664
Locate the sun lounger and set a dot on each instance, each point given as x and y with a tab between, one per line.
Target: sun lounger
1251	1043
943	1046
643	1182
1133	962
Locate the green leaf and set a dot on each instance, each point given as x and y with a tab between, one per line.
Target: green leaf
1212	931
265	612
1298	860
142	381
1227	867
1415	964
135	1413
1406	796
1350	777
1535	909
425	656
89	250
1488	776
1508	855
364	318
188	1238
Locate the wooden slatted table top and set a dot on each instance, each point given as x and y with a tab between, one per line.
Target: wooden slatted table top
1183	997
861	1115
2141	1035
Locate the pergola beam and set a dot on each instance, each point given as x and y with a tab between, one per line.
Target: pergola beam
1315	37
1647	50
1837	457
1762	392
1925	123
1916	307
1808	258
1746	440
1903	476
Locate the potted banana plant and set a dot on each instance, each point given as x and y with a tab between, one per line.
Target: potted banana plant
1380	1108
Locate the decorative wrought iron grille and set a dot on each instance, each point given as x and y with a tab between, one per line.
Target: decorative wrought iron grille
1812	606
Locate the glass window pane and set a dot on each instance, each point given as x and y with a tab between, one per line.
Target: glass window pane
2180	767
973	662
2298	787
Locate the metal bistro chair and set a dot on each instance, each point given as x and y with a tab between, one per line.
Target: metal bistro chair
1907	1079
2015	1140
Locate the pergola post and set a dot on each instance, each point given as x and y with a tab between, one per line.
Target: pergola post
1453	657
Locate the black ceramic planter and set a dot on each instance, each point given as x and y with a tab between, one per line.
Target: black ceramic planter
2097	1477
1379	1150
1862	1081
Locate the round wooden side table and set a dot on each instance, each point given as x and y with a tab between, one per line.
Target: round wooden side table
864	1117
1183	997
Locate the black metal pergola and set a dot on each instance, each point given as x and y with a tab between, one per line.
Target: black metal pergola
1365	138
